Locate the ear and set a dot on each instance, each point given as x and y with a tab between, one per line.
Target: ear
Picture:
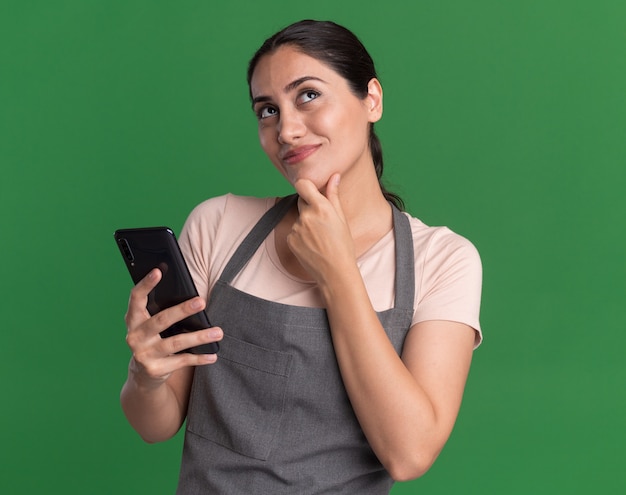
374	100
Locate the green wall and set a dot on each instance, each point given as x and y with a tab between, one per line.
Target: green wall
505	120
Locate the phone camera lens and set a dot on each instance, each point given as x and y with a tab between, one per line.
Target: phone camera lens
125	247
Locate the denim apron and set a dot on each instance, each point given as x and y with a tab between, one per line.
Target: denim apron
272	416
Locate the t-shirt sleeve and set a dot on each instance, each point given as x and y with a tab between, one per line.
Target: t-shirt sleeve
451	282
197	240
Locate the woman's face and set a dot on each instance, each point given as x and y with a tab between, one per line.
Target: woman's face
311	125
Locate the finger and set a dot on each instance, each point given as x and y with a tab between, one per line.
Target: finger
149	282
158	363
138	301
307	191
146	338
184	341
187	359
161	369
166	318
332	192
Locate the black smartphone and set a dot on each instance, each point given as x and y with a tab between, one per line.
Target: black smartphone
144	249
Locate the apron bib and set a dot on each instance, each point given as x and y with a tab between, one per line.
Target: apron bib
272	415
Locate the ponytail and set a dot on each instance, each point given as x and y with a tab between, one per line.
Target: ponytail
376	150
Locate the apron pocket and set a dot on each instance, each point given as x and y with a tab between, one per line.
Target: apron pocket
238	401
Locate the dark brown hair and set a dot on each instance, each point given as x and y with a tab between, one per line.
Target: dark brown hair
341	50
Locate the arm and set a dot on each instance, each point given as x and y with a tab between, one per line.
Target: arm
155	395
406	405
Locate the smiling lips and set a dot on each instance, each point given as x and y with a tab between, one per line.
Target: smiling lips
296	155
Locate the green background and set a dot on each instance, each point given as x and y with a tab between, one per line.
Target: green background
505	120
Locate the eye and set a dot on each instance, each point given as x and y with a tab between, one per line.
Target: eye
266	112
308	95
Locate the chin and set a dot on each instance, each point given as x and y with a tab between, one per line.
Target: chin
319	182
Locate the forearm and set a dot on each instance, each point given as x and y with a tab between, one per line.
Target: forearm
154	411
396	415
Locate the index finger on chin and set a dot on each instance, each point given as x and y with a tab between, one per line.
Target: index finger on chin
306	190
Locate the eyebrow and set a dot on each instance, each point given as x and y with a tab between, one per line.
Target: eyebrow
290	87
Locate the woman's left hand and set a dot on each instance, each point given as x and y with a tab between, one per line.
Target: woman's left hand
320	238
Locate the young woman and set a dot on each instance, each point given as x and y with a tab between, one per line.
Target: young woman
347	327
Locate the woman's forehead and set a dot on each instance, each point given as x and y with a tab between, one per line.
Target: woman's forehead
287	64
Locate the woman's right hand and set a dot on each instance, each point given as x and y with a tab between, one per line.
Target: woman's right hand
155	358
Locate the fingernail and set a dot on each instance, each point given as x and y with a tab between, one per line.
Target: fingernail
209	358
196	304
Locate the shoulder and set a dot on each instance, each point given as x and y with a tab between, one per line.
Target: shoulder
208	219
228	204
448	276
229	208
441	242
213	230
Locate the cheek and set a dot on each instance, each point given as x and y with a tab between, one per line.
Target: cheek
342	124
269	145
266	139
328	122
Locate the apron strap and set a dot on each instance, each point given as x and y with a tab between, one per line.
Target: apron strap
256	236
405	261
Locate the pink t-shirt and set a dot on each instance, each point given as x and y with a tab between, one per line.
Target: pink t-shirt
448	271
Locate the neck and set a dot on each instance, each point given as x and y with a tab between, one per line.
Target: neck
365	208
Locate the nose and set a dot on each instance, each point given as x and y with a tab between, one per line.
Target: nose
290	127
